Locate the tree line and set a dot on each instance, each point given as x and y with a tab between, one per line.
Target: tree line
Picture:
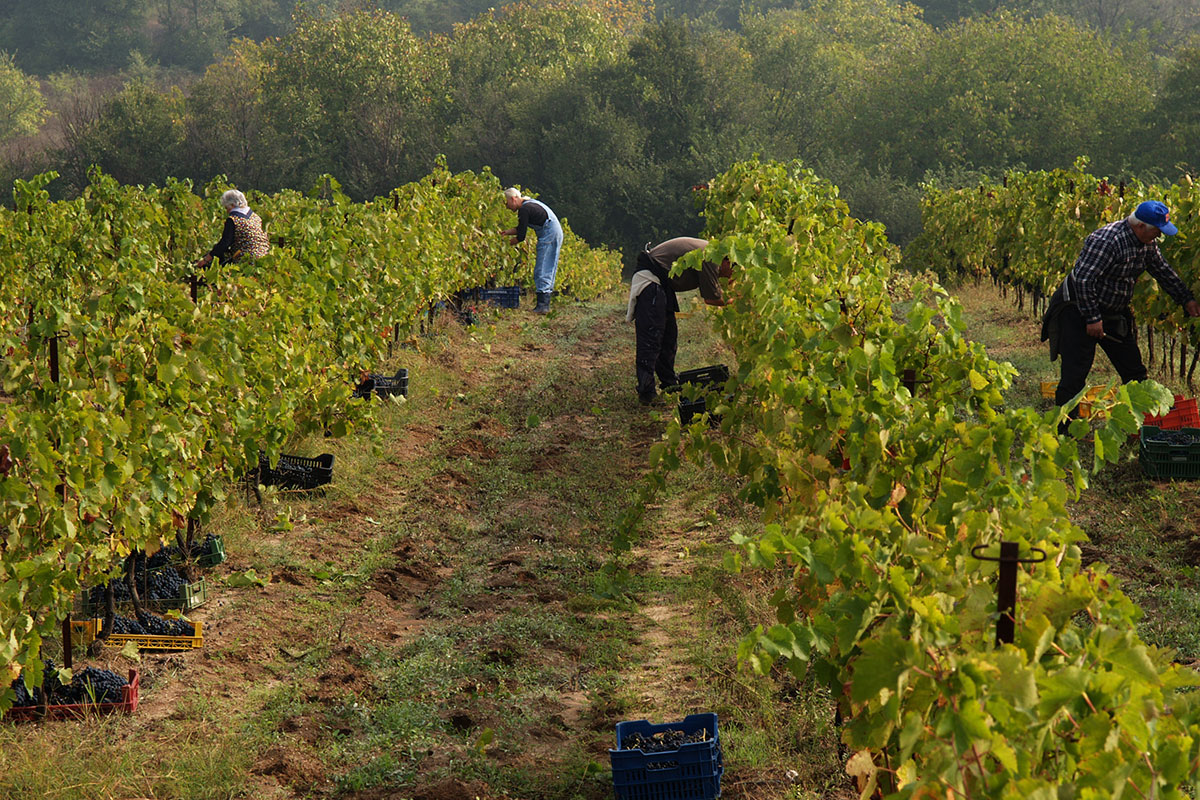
613	114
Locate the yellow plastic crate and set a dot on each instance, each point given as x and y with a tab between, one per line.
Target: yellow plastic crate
146	642
1094	393
84	630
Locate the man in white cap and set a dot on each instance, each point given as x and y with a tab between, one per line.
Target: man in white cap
1091	307
537	215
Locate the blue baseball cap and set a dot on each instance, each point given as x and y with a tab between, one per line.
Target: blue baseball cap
1157	214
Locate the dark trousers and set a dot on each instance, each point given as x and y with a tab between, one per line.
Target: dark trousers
657	339
1078	351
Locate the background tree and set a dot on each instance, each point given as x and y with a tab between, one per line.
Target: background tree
137	137
994	92
1177	115
52	35
228	131
357	96
22	107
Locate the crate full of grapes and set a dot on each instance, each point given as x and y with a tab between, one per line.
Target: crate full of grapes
91	692
208	553
675	761
159	590
155	633
1170	454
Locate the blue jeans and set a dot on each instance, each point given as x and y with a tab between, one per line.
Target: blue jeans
549	242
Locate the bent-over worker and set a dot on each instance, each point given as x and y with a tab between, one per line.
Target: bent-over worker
652	306
537	215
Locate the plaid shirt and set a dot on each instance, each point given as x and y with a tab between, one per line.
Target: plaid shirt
1109	264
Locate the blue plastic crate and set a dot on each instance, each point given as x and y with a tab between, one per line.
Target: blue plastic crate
503	296
692	772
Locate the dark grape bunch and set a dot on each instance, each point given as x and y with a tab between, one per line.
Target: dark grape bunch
663	741
1180	438
89	685
150	625
173	553
160	584
98	685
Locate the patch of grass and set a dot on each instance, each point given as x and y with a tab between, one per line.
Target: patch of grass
52	761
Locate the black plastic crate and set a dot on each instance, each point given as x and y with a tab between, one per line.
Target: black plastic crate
383	385
714	376
296	472
692	407
503	296
690	772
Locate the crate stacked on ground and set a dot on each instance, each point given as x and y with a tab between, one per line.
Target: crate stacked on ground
296	472
208	553
154	633
160	586
1170	453
675	761
1183	414
708	380
502	296
91	691
383	385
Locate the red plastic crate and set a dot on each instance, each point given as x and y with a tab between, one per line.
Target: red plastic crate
128	704
1182	415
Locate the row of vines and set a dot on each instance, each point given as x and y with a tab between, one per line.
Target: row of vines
1026	230
134	392
874	437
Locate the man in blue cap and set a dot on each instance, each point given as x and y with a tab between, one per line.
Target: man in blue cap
1091	307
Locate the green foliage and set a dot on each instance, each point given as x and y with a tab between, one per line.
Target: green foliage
993	92
1178	112
138	136
63	34
355	96
874	492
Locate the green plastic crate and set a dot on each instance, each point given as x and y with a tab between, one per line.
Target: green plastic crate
1169	460
192	595
214	555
